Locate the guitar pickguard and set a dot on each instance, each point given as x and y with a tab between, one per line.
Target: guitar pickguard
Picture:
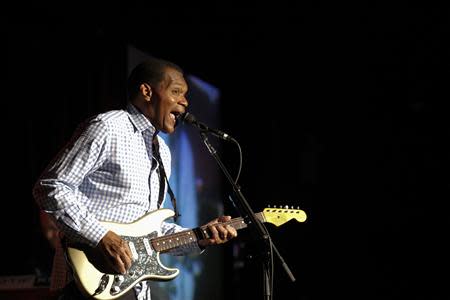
147	264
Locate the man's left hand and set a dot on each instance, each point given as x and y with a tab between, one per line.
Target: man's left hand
220	233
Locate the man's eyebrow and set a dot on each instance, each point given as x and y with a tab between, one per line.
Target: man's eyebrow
176	84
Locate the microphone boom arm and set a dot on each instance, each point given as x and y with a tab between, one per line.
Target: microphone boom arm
253	223
242	206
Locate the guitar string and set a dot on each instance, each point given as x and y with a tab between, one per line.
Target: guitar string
234	223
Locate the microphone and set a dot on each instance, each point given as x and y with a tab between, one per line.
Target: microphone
190	119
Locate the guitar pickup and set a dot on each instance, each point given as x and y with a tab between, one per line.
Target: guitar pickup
133	250
147	246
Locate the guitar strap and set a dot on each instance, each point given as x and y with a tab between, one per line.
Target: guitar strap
163	178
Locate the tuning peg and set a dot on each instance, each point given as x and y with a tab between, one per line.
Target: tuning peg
292	206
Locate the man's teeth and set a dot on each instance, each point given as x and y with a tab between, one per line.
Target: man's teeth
172	116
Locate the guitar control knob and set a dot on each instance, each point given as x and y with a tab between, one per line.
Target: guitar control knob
119	279
115	289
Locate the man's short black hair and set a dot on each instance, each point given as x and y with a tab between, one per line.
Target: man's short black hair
150	71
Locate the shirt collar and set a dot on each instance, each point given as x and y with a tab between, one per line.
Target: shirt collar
139	121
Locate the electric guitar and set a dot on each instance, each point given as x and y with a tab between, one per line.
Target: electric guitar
95	278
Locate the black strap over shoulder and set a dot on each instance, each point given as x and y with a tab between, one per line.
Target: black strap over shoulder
163	179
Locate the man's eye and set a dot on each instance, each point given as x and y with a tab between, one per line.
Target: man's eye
176	92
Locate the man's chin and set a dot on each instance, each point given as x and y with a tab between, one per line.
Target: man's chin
168	130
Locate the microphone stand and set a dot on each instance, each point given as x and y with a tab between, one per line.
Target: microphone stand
249	216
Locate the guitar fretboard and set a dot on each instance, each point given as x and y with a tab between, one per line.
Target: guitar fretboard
167	242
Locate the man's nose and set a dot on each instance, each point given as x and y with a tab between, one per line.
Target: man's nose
183	101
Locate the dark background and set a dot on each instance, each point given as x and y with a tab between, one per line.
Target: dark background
339	109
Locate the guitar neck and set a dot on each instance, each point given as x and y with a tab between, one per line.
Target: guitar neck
170	241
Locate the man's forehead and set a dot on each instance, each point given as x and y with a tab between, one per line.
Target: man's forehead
174	77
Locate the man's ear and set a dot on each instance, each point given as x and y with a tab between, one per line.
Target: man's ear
146	91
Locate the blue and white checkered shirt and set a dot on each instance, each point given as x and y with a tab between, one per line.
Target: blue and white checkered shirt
105	173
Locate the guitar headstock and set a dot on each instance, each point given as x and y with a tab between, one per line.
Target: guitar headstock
281	215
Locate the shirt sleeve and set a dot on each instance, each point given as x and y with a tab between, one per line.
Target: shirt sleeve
56	191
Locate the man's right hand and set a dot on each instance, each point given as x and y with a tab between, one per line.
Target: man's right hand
116	252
